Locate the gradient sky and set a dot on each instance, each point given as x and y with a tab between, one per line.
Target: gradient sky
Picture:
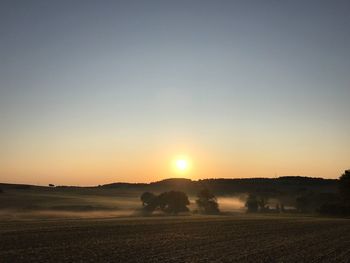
93	92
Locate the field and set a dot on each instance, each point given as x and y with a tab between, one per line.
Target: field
240	238
42	224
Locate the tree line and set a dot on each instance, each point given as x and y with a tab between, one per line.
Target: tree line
174	202
308	201
341	204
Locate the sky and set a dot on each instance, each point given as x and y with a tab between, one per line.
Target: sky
93	92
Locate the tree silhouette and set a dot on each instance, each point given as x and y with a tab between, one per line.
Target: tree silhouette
172	202
147	198
342	207
149	202
344	186
207	202
303	202
252	204
262	203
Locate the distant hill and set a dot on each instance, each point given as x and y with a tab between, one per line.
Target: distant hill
286	184
272	186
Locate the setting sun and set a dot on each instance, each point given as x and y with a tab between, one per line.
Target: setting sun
181	164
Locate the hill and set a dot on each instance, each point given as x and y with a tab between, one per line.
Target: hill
220	186
285	184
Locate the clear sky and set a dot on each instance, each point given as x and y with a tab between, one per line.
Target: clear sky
93	92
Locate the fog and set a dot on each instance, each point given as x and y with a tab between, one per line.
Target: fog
102	207
231	204
52	214
18	205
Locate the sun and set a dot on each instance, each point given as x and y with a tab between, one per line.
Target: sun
181	164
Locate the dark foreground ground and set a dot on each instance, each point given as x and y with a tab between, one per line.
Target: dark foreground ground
182	239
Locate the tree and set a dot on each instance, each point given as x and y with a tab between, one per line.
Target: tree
147	198
252	204
207	202
262	203
51	185
149	201
341	206
1	191
344	186
173	202
302	203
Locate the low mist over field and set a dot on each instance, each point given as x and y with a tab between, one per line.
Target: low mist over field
232	203
123	207
41	202
124	200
